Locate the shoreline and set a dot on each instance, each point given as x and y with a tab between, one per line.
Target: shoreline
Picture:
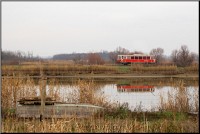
112	76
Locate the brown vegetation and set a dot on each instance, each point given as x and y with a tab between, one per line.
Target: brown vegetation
72	69
116	119
182	57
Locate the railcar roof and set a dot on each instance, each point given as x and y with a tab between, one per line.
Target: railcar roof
134	55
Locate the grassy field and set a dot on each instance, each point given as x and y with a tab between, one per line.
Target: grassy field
173	117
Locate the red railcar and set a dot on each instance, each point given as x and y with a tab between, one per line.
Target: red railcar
135	58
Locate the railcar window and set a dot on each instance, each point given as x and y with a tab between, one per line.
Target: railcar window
148	57
144	57
136	57
132	57
140	57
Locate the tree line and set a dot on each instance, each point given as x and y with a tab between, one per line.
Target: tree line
181	57
16	57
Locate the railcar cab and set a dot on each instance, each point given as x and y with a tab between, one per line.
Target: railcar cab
123	59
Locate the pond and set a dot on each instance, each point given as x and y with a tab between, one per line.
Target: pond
138	94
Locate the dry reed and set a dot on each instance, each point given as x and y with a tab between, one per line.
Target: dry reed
180	99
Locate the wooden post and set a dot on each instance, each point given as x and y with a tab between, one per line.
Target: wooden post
43	96
42	93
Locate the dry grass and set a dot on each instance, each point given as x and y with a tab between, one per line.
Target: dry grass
98	125
53	69
15	88
70	69
194	68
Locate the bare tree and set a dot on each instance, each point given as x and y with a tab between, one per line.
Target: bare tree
182	57
94	58
158	54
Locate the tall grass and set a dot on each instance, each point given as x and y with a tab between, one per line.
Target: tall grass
180	99
99	126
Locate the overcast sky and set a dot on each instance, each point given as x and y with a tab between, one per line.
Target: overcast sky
48	28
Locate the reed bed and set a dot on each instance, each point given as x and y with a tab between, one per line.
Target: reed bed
194	68
139	67
57	69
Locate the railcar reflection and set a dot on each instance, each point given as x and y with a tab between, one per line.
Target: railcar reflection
135	88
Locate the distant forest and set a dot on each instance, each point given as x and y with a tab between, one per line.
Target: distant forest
13	58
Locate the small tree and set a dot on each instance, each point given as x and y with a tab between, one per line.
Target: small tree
174	56
158	54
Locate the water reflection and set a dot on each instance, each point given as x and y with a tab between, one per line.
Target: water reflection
144	100
134	88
